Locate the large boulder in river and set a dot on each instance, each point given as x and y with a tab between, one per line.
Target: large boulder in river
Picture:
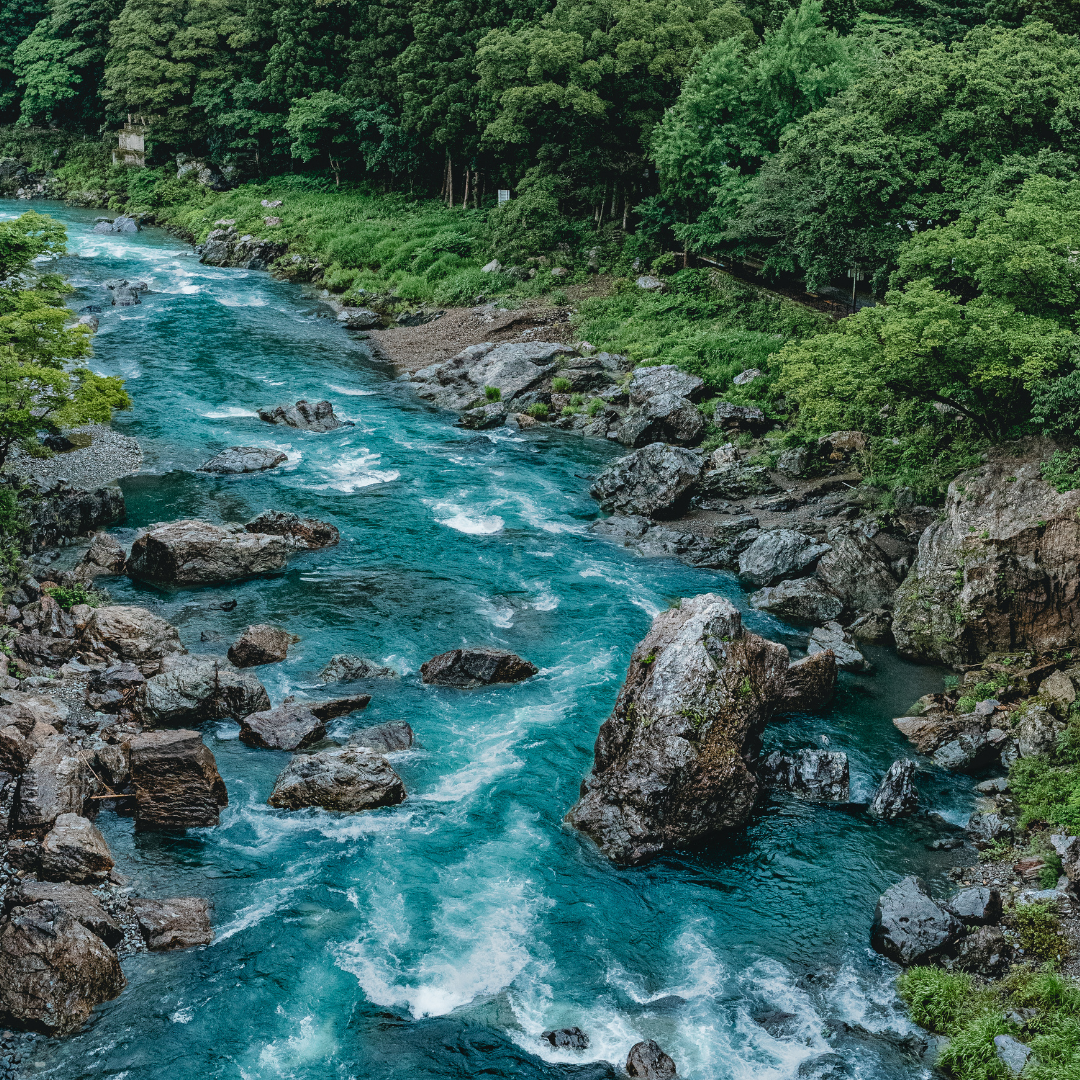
896	795
818	775
288	727
344	667
243	459
351	779
832	637
53	970
673	762
302	533
56	781
392	737
1000	572
177	784
178	923
476	667
799	600
191	689
811	684
104	558
646	1061
306	415
74	850
778	554
131	634
655	481
197	553
910	927
260	644
856	570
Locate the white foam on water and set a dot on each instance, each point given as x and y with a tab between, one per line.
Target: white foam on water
310	1045
546	601
230	412
457	517
500	615
348	392
494	760
353	471
183	1016
233	300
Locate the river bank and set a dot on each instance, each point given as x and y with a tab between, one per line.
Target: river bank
505	516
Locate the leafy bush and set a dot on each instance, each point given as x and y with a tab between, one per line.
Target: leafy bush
67	596
1038	927
971	1054
936	998
1046	792
560	385
539	410
595	407
492	393
1062	470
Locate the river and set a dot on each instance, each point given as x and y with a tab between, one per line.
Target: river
439	938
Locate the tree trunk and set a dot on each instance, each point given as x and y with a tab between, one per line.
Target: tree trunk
465	197
450	178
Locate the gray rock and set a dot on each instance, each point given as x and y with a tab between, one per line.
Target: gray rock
300	533
131	634
811	684
352	779
911	928
986	827
655	481
177	784
856	570
260	644
1012	1053
53	970
288	727
192	689
659	778
1037	730
979	906
125	296
194	552
486	416
359	318
345	668
649	283
747	376
1068	849
896	795
818	775
73	850
663	418
476	667
740	418
648	1062
998	786
800	600
664	380
244	459
794	462
389	738
305	415
972	750
566	1039
778	554
718	550
121	224
57	781
77	900
873	628
735	481
986	952
104	558
178	923
987	707
833	637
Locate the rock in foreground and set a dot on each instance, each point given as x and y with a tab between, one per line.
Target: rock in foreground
197	553
53	970
243	459
191	689
177	784
910	927
180	923
819	775
74	850
288	727
673	761
896	795
648	1062
351	779
476	667
655	481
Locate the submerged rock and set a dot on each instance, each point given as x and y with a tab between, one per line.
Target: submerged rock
655	481
244	459
648	1062
800	600
194	552
566	1039
350	779
910	927
53	970
179	923
346	668
476	667
260	644
391	737
317	416
896	795
177	784
821	775
74	850
671	762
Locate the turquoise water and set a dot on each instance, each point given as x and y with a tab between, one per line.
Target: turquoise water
438	938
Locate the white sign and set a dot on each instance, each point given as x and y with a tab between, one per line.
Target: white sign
504	195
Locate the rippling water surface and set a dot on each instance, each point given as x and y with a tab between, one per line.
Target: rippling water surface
440	937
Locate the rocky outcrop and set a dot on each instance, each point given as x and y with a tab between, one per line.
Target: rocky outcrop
62	512
131	634
116	688
999	573
810	684
778	554
476	667
345	668
673	763
191	689
243	459
305	415
896	795
389	738
818	775
179	923
656	481
856	570
261	644
56	781
53	970
288	727
77	900
799	600
832	637
226	247
194	552
910	927
663	418
73	850
647	1061
977	906
104	558
177	784
350	779
719	550
301	533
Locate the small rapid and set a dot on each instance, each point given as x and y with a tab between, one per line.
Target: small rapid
439	938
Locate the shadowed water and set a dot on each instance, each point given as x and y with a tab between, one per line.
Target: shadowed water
440	937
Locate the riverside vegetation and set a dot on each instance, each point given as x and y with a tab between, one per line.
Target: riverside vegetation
928	150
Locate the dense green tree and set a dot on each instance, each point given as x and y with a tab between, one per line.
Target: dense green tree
17	19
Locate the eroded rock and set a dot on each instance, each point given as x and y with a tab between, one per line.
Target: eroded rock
811	684
177	784
391	737
799	600
655	481
288	727
131	634
305	415
194	552
910	927
647	1061
778	554
191	689
74	850
345	668
178	923
896	795
243	459
476	667
260	644
301	533
351	779
819	775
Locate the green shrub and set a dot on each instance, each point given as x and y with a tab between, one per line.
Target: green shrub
560	385
971	1054
539	410
1038	927
492	393
569	410
462	288
1046	792
559	298
966	704
1062	470
595	407
67	596
936	998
